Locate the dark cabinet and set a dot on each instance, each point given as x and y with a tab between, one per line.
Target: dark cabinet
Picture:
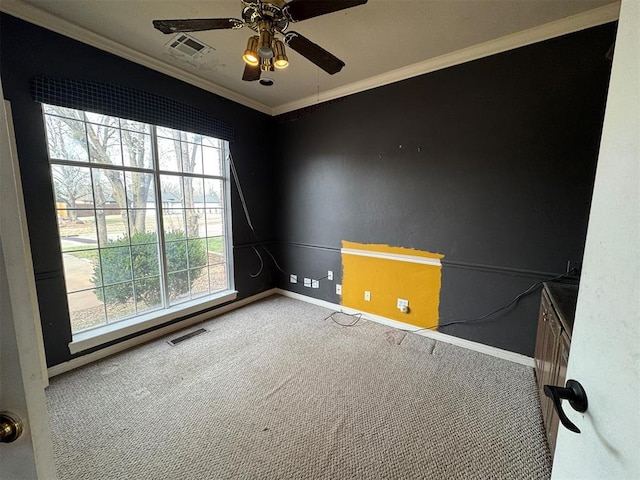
555	326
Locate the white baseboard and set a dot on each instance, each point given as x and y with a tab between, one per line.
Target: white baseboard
441	337
119	347
147	337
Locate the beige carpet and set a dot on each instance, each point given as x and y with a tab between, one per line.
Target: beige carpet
275	391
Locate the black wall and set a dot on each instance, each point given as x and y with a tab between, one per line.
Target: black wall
27	51
490	163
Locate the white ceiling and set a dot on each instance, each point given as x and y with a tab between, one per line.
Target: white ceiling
380	42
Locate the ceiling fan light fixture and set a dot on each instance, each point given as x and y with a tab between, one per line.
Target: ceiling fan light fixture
265	40
281	60
251	56
266	65
267	18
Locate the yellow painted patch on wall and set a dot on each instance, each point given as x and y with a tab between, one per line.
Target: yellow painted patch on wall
390	273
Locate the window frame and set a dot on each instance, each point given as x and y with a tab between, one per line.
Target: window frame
167	313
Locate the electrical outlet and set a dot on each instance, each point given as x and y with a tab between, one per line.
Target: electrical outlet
307	282
367	296
338	289
330	275
293	278
403	305
315	284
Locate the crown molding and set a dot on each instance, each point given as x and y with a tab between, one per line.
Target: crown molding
557	28
50	22
574	23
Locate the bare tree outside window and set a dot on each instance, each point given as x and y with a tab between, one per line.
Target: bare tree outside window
131	246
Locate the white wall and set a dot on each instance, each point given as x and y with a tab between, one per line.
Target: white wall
605	348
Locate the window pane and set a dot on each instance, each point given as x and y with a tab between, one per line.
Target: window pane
63	112
72	186
190	186
66	139
187	192
148	294
169	154
197	252
212	200
141	222
117	224
108	189
103	119
171	191
174	222
211	159
104	144
191	158
140	190
134	126
199	207
80	269
218	277
211	142
136	149
215	249
197	186
199	279
178	284
77	229
115	263
191	137
213	189
119	301
176	252
86	309
195	223
146	271
145	260
168	132
214	222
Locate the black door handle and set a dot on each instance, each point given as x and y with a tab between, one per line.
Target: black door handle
577	399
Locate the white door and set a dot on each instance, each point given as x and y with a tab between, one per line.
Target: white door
22	366
605	347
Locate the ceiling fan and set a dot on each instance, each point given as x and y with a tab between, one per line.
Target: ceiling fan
269	18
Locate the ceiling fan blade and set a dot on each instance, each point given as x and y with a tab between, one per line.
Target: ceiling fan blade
196	24
314	53
251	73
298	10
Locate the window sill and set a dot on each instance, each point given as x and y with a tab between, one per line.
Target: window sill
98	336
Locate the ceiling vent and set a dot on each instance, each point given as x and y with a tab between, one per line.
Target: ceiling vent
186	45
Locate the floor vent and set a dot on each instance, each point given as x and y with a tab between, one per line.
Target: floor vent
176	341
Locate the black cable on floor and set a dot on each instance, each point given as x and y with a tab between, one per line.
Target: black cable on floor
352	324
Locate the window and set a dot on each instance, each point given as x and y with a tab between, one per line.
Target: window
142	216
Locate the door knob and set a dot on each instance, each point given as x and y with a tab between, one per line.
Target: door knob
576	395
10	427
